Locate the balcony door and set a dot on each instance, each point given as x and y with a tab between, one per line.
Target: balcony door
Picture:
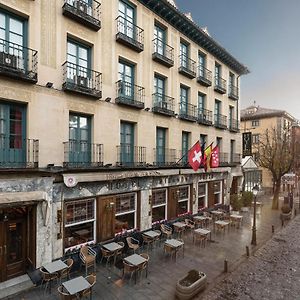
202	62
127	143
183	101
126	78
217	112
183	55
217	74
128	19
12	135
159	90
160	38
160	145
79	139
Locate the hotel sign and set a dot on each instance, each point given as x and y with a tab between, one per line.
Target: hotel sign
247	144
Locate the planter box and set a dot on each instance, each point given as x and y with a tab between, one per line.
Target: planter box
190	285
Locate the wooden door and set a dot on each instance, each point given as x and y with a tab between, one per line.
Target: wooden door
234	186
172	203
106	210
211	195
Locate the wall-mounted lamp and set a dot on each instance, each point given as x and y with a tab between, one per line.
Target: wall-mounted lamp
109	206
49	85
107	99
147	108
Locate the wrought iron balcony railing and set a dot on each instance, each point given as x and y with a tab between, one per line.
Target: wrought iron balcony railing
220	121
163	53
233	92
85	12
163	104
18	62
204	117
131	156
187	66
81	154
82	80
204	76
16	152
164	156
130	94
223	159
234	125
187	111
130	34
220	85
235	158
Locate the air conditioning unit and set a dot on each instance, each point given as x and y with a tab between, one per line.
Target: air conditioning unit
8	60
82	6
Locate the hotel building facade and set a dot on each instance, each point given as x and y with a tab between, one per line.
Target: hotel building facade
99	103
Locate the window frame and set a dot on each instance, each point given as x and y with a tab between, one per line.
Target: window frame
161	204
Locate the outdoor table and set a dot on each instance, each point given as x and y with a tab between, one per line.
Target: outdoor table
175	244
135	259
55	266
152	234
77	285
203	232
222	224
180	227
237	218
200	220
113	247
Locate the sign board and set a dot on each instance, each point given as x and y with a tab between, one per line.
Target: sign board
247	144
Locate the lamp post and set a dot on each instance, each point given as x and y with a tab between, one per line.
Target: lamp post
255	190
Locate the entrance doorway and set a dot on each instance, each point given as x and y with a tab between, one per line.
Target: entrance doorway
17	241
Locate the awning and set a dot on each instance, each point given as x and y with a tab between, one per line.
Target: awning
21	198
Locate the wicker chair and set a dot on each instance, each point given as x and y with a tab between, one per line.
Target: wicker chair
157	238
107	255
166	230
134	246
65	296
91	280
47	278
128	268
147	240
190	224
144	266
65	273
88	257
169	249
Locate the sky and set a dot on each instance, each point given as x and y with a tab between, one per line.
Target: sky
264	35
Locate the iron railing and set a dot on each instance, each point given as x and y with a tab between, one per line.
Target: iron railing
187	66
131	156
164	156
82	154
220	121
204	76
163	104
235	158
130	94
204	116
16	152
87	12
18	61
220	85
82	80
162	52
233	92
223	158
187	111
130	34
234	125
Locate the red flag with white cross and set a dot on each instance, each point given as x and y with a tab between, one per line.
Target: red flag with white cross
195	156
214	163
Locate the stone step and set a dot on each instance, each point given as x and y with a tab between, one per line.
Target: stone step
15	286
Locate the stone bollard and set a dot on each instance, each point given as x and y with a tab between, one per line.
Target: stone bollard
247	251
225	266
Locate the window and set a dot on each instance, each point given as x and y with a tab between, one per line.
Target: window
125	217
79	139
185	145
255	123
160	145
183	200
127	143
219	142
127	14
159	205
126	77
232	150
255	138
79	222
217	74
184	99
159	87
203	139
160	39
201	102
202	195
202	64
183	55
231	82
217	112
217	185
231	112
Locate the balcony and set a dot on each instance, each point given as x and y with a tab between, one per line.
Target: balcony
204	76
16	152
129	34
130	94
80	154
163	53
163	104
187	112
131	156
18	62
81	80
223	159
85	12
187	66
220	121
234	125
233	92
235	158
164	157
204	117
220	85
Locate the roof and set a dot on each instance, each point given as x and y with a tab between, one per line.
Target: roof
172	15
248	163
254	112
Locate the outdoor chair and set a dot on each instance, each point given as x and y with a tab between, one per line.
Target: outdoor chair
179	230
144	266
65	273
131	269
190	224
157	238
120	251
169	250
92	281
166	230
107	255
132	243
65	295
47	278
208	218
200	238
147	241
88	257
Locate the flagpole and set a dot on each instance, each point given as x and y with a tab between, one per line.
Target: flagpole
184	155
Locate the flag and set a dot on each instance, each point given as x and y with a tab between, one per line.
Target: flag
207	153
214	163
203	154
195	156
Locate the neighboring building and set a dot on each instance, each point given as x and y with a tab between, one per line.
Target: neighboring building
95	111
256	119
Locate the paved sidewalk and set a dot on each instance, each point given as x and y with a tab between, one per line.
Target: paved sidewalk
164	272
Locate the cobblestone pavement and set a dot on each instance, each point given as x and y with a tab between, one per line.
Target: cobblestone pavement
273	273
164	271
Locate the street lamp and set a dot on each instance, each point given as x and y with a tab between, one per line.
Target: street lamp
255	190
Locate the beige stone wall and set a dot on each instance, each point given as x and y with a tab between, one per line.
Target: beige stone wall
48	109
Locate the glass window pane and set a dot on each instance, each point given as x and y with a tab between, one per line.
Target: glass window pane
159	197
2	20
83	53
16	26
83	122
124	222
71	49
79	234
158	213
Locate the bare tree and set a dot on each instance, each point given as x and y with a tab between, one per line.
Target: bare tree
276	153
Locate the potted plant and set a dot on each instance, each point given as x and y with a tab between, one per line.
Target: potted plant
286	212
236	202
